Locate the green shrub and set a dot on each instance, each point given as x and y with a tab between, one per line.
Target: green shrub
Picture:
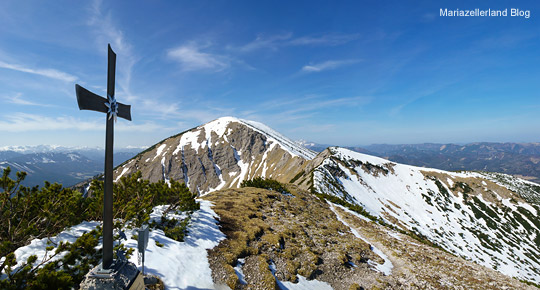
269	184
29	213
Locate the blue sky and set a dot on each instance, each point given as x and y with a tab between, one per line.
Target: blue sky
333	72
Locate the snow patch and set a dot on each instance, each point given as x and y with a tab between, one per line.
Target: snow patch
450	182
303	283
184	265
413	196
181	265
288	145
387	266
124	171
239	272
159	151
38	246
73	157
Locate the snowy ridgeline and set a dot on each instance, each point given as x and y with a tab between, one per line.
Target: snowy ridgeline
181	265
484	225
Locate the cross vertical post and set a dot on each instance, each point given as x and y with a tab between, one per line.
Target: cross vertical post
90	101
108	188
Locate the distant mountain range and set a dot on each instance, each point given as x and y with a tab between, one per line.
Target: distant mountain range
70	165
518	159
64	165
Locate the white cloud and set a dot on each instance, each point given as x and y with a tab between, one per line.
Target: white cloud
327	65
271	42
140	127
47	72
18	100
191	57
107	32
293	110
330	39
23	122
275	41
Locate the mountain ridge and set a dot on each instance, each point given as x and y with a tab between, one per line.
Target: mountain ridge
221	153
446	208
519	159
471	214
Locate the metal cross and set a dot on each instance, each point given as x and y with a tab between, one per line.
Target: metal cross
90	101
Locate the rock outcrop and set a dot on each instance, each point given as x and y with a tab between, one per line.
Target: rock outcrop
220	154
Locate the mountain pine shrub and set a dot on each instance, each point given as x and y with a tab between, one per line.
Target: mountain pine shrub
261	182
30	213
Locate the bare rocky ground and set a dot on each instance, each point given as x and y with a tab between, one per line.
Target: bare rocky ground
301	235
419	266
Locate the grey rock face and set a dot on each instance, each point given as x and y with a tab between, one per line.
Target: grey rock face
217	155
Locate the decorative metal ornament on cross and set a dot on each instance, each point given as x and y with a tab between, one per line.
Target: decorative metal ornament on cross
113	107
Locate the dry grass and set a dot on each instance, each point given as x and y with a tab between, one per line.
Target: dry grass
302	236
299	233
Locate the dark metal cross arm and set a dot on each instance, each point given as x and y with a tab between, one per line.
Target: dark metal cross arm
90	101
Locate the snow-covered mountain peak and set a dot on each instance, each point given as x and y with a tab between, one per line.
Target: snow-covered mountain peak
220	126
287	144
219	154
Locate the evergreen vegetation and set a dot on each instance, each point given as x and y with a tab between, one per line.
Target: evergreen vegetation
30	213
261	182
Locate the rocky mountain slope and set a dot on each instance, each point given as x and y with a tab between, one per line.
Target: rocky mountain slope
486	218
275	240
220	154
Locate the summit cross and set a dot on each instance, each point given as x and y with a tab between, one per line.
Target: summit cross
90	101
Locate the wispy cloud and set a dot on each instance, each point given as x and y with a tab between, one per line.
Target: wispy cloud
141	127
192	57
328	65
106	32
314	104
46	72
273	42
18	100
159	109
286	111
23	122
329	40
269	42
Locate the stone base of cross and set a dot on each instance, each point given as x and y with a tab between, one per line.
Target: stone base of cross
120	275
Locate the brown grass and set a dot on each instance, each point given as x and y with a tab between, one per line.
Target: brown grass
295	232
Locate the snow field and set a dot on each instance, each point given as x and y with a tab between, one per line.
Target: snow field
387	266
181	265
418	203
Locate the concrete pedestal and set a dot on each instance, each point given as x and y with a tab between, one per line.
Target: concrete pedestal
121	276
